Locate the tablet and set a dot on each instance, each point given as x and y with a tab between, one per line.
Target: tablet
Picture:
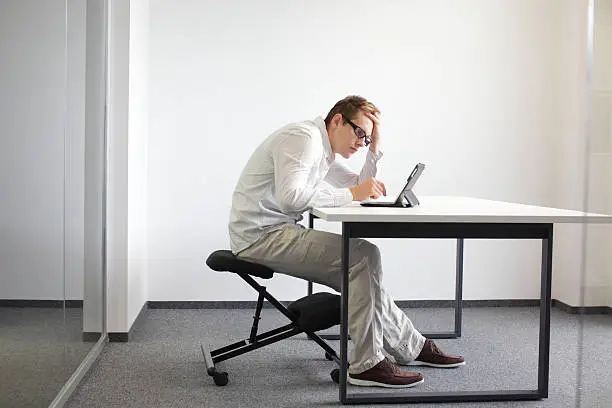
406	197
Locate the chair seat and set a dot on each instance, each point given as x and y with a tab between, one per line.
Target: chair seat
225	261
318	311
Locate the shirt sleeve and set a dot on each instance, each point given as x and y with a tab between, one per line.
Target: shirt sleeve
294	160
341	176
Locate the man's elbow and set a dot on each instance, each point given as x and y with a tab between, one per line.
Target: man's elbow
289	204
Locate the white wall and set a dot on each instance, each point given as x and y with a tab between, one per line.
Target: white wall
117	162
94	157
463	86
137	156
127	161
32	105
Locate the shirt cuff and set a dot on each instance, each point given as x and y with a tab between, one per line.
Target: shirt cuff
374	156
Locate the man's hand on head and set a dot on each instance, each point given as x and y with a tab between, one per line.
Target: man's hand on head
370	188
375	118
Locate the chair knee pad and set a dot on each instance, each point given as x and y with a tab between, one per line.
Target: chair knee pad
318	311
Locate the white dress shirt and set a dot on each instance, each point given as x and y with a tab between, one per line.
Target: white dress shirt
283	177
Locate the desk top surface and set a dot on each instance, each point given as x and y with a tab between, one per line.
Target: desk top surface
459	209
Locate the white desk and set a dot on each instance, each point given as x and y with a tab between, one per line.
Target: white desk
460	218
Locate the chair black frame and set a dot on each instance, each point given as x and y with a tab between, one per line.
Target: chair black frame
256	341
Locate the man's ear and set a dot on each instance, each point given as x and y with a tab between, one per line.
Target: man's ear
337	119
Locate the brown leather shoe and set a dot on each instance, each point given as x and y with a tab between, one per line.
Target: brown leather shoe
432	356
386	374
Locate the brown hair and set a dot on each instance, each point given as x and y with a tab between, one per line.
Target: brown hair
349	107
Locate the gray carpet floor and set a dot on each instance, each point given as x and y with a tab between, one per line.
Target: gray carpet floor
163	367
39	350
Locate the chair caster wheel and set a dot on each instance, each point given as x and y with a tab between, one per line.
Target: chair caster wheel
328	356
220	378
335	375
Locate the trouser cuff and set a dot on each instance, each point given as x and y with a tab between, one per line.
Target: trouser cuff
406	352
367	364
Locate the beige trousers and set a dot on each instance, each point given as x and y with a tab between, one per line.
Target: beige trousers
375	323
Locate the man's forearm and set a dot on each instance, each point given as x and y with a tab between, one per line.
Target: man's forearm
369	168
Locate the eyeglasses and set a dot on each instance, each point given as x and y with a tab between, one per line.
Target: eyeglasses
359	132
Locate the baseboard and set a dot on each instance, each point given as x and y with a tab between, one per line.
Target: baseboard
468	303
49	304
118	337
582	310
124	337
91	337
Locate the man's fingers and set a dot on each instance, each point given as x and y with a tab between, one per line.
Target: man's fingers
377	190
381	186
376	187
373	118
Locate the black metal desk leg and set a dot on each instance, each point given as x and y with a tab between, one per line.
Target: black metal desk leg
545	303
311	226
459	287
344	312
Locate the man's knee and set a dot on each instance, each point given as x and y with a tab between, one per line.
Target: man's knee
369	252
370	249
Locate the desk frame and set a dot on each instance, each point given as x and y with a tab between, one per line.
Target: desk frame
459	231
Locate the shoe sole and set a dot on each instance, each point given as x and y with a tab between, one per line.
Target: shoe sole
368	383
422	363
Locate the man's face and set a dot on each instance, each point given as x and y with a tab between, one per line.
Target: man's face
347	142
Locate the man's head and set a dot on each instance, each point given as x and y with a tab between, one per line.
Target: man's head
347	125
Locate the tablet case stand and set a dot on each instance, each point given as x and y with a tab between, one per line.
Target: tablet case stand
409	199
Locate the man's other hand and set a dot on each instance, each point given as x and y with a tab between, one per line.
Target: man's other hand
370	188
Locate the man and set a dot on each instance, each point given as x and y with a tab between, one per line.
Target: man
280	182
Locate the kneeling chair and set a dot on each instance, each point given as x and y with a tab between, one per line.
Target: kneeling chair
308	315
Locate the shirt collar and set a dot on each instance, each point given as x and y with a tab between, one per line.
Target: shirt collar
326	145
